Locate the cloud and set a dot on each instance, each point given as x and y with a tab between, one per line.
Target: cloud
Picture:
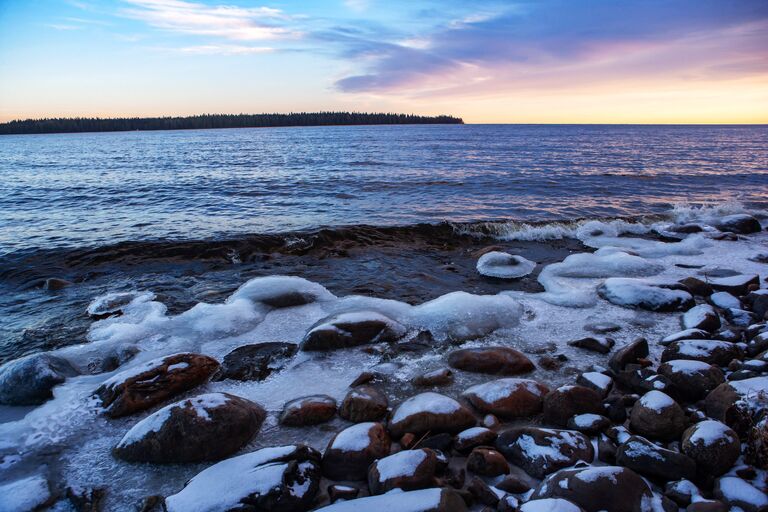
222	21
225	49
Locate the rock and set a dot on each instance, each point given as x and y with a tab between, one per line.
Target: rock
641	455
702	317
86	499
513	485
441	442
658	416
507	503
112	304
641	380
483	493
756	450
598	382
629	354
424	500
758	302
594	489
681	492
739	223
308	410
708	351
739	493
338	492
352	329
255	362
550	505
282	478
56	283
688	334
363	378
30	380
696	286
540	451
563	403
589	424
407	470
713	446
502	265
725	300
473	437
351	451
602	327
24	495
737	285
691	380
149	384
439	377
430	412
487	462
492	360
490	421
282	291
645	294
707	506
507	398
721	401
207	427
606	450
602	346
364	403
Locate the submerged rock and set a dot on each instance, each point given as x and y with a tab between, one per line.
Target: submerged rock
430	412
508	398
255	362
206	427
424	500
30	380
351	451
282	478
503	265
492	360
540	451
407	470
352	329
149	384
645	294
308	410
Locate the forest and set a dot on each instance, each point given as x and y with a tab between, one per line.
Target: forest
209	121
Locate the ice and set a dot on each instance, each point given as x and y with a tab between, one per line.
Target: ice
425	402
504	266
269	288
411	501
114	302
24	495
656	400
642	293
709	432
354	438
549	505
400	464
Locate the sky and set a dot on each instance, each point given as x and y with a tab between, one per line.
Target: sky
544	61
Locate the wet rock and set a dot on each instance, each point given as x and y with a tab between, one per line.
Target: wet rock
702	317
737	285
563	403
147	385
739	223
430	412
658	416
589	424
513	485
281	478
407	470
439	377
550	505
423	500
713	446
30	380
629	354
308	410
594	489
709	351
483	493
255	362
598	382
351	451
540	451
692	380
473	437
491	360
738	493
207	427
338	492
112	304
364	403
602	346
707	506
641	380
508	398
722	400
641	455
645	294
352	329
56	283
487	462
696	286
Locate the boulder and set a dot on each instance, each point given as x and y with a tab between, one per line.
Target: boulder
407	470
642	380
30	380
439	377
602	346
598	382
709	351
594	489
473	437
702	317
758	302
645	294
352	329
704	505
487	462
282	291
589	424
149	384
308	410
737	285
691	380
739	493
430	412
351	451
725	300
688	334
739	223
338	492
629	354
207	427
281	478
561	404
549	505
721	400
491	360
25	494
641	455
540	451
507	398
714	446
658	416
696	286
255	362
364	403
681	492
424	500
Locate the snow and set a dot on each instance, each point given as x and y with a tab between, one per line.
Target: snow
499	389
629	292
656	400
594	473
549	505
586	420
504	266
695	316
551	451
434	403
686	334
688	366
24	495
411	501
354	438
115	301
400	464
178	366
709	432
725	300
734	489
262	289
635	448
471	433
738	280
600	380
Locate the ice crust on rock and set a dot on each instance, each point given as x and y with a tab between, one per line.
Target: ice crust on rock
503	265
24	495
645	294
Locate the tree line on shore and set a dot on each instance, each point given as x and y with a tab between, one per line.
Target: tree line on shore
209	121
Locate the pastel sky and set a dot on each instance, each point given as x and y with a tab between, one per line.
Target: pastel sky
545	61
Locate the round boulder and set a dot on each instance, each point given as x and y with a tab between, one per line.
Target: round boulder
508	398
407	470
561	404
691	380
713	445
658	416
351	451
491	360
364	403
308	410
540	451
30	380
430	412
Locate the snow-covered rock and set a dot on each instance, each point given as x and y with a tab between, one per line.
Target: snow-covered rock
430	412
541	451
351	451
713	445
702	317
24	495
352	329
709	351
508	398
407	470
425	500
658	416
645	294
30	380
503	265
282	291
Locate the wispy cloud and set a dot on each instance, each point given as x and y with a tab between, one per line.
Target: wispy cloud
63	26
225	49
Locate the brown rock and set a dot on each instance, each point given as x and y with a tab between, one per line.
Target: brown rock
473	437
491	360
713	445
487	462
364	403
508	398
308	410
430	412
407	470
629	354
563	403
540	451
254	362
351	451
657	415
439	377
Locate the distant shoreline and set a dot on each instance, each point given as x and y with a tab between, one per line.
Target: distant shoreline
216	121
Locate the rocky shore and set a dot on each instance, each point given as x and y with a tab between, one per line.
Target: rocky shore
674	423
